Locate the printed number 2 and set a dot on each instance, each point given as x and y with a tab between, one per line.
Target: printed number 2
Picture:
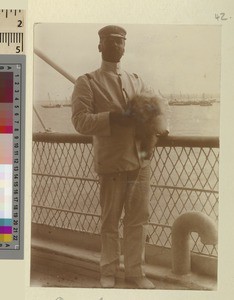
221	16
20	23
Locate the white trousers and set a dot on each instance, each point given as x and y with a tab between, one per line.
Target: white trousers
128	190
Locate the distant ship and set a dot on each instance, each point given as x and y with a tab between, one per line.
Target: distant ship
205	103
195	102
181	102
52	106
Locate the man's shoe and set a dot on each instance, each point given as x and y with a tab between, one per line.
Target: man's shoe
107	281
141	282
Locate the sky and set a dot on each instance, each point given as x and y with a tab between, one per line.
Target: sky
171	58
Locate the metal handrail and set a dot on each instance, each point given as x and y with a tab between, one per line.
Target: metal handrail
169	141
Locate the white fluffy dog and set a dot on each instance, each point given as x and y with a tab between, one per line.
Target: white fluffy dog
149	113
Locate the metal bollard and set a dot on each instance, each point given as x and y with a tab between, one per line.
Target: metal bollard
181	229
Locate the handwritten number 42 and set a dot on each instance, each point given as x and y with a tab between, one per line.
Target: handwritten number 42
221	17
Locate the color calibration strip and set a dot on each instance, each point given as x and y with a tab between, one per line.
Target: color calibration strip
12	98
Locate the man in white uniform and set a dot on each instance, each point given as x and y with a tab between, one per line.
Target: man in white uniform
99	102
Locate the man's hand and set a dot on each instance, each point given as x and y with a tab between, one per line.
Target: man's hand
121	118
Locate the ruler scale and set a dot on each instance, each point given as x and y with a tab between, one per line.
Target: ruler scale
11	31
12	107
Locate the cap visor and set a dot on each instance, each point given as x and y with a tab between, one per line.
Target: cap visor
117	35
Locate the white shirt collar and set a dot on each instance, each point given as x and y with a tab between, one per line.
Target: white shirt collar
111	67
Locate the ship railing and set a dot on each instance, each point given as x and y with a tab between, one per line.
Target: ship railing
65	187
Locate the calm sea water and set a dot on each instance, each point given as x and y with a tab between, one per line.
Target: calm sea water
192	120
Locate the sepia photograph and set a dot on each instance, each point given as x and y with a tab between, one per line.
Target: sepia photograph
125	156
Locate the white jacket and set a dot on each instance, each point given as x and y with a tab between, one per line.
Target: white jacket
108	89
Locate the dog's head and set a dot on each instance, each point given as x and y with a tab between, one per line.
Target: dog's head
145	107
